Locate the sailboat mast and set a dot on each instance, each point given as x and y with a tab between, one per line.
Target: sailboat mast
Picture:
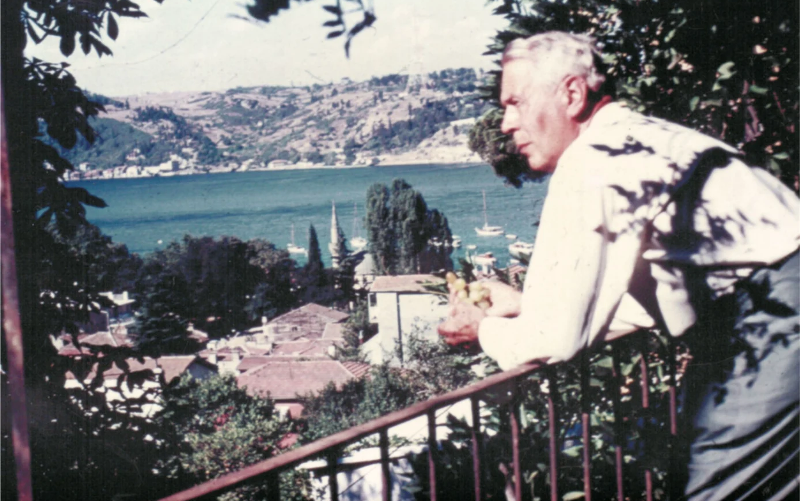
485	218
355	219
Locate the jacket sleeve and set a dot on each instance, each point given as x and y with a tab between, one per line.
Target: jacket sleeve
578	274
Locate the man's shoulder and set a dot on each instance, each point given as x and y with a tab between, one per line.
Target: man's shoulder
618	133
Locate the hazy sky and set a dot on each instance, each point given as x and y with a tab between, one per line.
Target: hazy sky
202	45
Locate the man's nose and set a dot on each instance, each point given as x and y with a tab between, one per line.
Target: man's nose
507	124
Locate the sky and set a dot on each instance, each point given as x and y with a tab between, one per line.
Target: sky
198	45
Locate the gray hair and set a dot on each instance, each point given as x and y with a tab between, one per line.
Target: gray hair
558	54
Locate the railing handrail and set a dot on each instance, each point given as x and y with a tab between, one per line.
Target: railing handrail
279	463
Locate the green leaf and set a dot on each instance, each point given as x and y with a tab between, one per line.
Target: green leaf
112	29
726	70
570	496
693	103
755	89
574	451
781	156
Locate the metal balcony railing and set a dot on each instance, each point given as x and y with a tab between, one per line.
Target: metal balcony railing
268	470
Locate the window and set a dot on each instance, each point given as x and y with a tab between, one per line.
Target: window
373	299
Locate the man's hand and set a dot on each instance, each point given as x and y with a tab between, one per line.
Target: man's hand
461	327
505	299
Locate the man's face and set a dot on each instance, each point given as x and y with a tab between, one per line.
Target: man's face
535	115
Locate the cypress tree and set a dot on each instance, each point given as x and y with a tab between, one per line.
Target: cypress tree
400	227
314	269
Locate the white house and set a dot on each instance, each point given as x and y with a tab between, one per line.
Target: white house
401	306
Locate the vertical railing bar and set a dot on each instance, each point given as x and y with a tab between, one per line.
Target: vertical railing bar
673	487
618	380
673	387
432	449
513	414
586	427
333	481
476	446
273	487
386	494
552	414
645	388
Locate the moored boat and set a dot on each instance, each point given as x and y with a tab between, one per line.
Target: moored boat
520	250
487	230
295	249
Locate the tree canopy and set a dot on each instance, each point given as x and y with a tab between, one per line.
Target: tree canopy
729	71
219	285
405	236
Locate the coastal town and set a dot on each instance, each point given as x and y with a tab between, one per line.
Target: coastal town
392	120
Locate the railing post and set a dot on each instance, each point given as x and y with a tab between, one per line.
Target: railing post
432	449
645	388
586	427
618	381
552	414
333	482
386	494
513	415
674	487
12	326
477	448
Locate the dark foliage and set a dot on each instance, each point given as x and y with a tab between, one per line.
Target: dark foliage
405	236
729	72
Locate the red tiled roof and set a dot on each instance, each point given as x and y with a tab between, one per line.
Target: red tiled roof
306	348
310	309
106	339
357	369
248	363
287	380
306	322
172	367
333	331
403	283
175	366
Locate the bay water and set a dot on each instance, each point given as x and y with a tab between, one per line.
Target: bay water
147	214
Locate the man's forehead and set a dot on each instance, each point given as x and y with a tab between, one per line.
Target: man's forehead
518	78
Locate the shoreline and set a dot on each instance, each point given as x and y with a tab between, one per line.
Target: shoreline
193	172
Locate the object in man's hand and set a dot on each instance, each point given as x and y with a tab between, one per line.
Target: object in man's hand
473	293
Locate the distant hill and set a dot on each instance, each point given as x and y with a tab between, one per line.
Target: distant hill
390	119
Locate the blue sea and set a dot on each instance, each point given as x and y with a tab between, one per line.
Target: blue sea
148	213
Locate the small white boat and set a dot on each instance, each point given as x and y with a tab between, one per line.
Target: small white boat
484	263
295	249
472	247
487	230
511	236
484	258
520	249
357	242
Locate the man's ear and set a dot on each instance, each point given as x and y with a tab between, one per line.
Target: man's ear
576	97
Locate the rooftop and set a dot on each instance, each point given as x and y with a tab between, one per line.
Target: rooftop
287	380
404	283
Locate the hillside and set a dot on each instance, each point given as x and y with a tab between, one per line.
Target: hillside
387	120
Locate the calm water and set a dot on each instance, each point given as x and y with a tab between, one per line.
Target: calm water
142	212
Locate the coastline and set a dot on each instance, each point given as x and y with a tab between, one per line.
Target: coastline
105	175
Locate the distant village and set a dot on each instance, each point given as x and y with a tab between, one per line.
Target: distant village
285	358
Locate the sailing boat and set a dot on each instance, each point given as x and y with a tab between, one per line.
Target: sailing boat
295	249
357	242
486	230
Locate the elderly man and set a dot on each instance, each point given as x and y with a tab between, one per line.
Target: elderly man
650	224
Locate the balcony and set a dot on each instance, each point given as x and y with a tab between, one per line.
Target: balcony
640	371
